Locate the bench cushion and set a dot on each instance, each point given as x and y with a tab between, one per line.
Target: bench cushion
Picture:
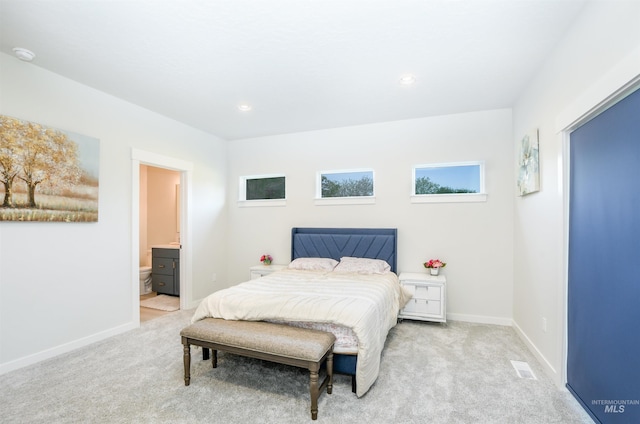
276	339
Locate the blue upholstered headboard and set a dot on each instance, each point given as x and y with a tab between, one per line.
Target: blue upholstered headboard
373	243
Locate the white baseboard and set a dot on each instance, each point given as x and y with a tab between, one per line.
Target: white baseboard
549	369
546	365
64	348
480	319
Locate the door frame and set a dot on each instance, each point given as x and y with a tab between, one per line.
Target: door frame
606	92
142	157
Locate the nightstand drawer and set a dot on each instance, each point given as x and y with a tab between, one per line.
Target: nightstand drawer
428	297
424	292
258	271
422	307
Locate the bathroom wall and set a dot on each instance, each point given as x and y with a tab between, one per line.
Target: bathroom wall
161	208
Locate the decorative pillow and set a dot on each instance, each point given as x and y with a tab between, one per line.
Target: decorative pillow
362	265
313	264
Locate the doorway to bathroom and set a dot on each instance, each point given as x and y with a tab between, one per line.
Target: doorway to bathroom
160	229
159	241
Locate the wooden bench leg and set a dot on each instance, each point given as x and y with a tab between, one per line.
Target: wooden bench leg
330	373
313	391
214	356
187	363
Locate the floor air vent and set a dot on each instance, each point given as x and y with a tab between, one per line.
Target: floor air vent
524	370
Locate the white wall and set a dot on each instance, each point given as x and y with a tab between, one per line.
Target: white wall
599	55
65	285
476	239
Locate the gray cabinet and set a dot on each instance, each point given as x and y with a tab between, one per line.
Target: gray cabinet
165	272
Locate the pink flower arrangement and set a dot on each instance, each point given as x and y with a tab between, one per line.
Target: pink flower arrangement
434	263
266	259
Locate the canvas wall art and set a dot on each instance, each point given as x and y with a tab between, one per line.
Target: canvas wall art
47	175
528	164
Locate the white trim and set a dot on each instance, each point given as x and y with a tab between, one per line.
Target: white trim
563	289
449	198
242	191
536	352
356	200
261	203
135	241
186	237
155	159
185	168
67	347
600	95
480	319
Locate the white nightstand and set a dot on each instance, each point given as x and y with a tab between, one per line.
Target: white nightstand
429	302
258	271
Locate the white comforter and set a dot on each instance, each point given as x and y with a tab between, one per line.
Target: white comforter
366	303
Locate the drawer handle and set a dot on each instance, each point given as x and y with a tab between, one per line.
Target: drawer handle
160	266
161	284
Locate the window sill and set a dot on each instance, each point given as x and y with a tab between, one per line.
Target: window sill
261	203
449	198
330	201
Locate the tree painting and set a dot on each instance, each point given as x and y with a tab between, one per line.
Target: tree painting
47	174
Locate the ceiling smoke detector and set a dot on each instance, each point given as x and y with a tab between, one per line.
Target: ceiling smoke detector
244	107
24	54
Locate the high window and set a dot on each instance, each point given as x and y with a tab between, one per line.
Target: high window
449	182
346	186
265	189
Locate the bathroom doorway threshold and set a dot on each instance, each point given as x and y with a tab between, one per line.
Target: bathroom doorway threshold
147	314
141	157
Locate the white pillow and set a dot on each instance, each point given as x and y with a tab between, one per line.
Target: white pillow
362	265
313	264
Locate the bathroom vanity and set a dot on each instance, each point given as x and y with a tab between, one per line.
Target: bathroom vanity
165	270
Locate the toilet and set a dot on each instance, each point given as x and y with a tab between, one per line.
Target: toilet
145	280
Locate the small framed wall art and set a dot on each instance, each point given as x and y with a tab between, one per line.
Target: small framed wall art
529	164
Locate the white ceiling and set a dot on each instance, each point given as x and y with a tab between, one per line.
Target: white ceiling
302	64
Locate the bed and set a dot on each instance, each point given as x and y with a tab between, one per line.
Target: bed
341	280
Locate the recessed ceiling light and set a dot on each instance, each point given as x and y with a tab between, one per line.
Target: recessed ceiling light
244	107
407	79
23	54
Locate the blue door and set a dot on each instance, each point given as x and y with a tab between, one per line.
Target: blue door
603	362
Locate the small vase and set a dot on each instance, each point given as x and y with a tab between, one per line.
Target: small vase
434	271
266	262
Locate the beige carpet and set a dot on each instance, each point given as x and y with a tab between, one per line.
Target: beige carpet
162	302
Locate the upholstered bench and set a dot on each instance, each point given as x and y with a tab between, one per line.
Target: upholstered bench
284	344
